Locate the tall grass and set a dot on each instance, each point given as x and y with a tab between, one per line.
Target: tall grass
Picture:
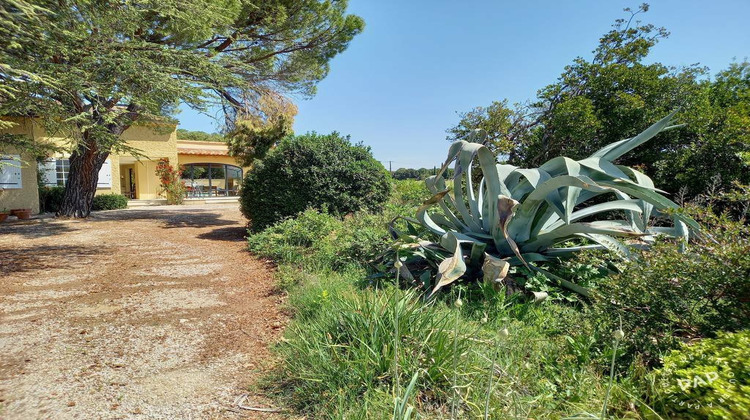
352	343
339	353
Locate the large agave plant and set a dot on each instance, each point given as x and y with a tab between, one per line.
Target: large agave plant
516	216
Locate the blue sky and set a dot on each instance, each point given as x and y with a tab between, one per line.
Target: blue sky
400	84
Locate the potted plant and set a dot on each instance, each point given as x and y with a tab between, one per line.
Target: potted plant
4	213
22	214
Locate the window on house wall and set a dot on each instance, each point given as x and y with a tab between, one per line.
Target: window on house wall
212	179
54	172
234	180
62	168
48	172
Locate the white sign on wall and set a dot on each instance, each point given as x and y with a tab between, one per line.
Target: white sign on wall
10	171
105	175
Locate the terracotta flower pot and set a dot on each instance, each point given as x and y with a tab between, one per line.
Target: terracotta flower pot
22	214
4	215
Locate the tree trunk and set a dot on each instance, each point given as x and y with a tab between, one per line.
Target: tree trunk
85	163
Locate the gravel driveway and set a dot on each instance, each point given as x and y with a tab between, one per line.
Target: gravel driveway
155	312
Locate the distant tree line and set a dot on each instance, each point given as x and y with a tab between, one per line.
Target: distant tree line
183	134
421	173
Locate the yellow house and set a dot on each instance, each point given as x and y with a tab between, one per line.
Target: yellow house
209	173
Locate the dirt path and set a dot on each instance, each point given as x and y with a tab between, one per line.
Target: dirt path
141	313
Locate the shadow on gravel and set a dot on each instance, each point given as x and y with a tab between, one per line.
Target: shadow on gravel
174	218
35	229
232	234
41	258
178	218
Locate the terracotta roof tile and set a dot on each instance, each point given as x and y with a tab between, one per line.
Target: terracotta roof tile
204	152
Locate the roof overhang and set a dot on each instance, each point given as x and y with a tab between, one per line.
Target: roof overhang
201	148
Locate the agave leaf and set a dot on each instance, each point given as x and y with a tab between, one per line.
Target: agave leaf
463	164
405	274
504	171
632	143
491	186
425	219
480	204
563	205
596	168
564	283
627	205
566	232
433	200
494	267
477	249
658	200
608	148
528	257
572	250
681	232
450	239
439	185
610	243
663	230
530	220
453	151
442	221
450	269
644	181
505	208
615	224
542	191
533	177
569	195
474	204
604	150
494	270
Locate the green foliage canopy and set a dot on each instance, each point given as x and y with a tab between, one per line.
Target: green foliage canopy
324	172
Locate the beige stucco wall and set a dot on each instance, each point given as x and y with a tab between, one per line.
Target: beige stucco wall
116	185
28	195
154	141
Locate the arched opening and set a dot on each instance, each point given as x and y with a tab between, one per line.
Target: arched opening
212	179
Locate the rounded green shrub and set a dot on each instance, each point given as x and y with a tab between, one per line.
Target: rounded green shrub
325	172
109	202
293	239
50	199
316	237
707	380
